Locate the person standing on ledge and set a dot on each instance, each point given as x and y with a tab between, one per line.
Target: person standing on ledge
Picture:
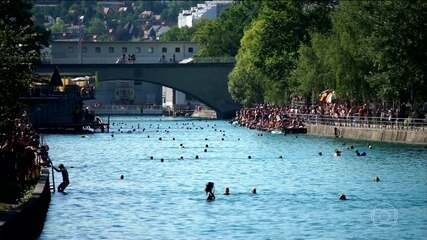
65	180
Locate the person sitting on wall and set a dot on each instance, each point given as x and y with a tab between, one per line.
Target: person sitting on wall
65	180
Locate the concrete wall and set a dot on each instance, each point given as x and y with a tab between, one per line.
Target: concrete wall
109	52
373	134
26	222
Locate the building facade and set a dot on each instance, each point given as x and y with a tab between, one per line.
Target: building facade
115	52
207	10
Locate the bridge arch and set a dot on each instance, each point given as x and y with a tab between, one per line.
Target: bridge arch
206	82
173	87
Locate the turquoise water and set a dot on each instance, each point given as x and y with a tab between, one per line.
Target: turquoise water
297	195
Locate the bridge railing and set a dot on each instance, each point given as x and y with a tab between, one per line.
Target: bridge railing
214	60
416	124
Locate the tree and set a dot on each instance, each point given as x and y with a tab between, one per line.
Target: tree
246	82
58	26
274	54
178	34
96	27
20	43
221	37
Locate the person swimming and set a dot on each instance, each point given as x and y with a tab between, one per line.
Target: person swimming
227	191
320	153
376	179
253	191
337	152
122	177
209	190
343	197
360	154
197	156
249	157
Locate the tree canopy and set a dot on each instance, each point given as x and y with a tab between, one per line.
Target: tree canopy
20	43
362	49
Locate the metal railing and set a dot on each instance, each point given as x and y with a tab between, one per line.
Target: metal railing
416	124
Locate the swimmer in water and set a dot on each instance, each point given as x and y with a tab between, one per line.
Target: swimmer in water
343	197
320	153
122	177
337	152
227	191
209	190
376	179
253	191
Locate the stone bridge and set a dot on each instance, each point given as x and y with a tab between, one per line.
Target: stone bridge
206	82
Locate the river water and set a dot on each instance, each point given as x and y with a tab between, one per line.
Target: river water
297	194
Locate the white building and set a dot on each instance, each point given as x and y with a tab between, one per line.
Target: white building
207	10
187	18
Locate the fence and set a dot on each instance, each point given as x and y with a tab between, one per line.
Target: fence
416	124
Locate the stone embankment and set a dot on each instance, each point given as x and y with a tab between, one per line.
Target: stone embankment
406	136
27	220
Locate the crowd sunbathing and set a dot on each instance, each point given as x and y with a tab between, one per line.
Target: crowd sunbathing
272	117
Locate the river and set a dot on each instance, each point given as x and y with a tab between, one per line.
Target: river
297	194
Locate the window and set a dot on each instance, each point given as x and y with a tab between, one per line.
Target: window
138	50
124	49
190	50
164	50
111	49
84	49
98	50
150	49
177	50
70	49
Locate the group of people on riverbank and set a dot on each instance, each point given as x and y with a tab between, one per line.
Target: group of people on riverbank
22	156
272	117
269	117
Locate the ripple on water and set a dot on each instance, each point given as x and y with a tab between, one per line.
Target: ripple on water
297	195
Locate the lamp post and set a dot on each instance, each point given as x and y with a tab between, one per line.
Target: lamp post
81	25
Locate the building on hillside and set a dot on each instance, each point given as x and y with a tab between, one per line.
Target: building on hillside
207	10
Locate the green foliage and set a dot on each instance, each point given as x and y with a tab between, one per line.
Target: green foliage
221	37
246	81
371	51
96	26
58	26
178	34
286	25
20	44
